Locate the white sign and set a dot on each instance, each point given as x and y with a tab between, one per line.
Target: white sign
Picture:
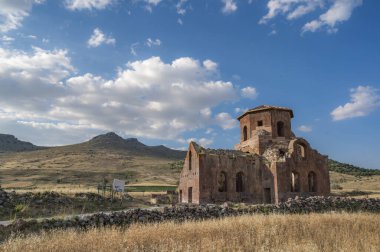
118	185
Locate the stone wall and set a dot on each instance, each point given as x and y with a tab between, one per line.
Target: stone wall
194	212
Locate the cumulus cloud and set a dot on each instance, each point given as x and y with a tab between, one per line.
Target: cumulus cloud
226	121
230	6
29	82
210	65
98	38
12	13
204	142
305	128
87	4
337	12
147	98
364	99
249	92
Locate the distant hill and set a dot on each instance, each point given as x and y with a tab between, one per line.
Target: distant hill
110	141
132	145
87	164
9	143
351	169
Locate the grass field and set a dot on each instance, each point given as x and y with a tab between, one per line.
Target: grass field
80	170
314	232
349	183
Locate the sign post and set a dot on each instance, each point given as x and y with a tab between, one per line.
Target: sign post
118	187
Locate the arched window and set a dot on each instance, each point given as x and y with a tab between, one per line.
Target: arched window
239	182
280	129
245	133
301	150
222	182
312	179
295	186
190	156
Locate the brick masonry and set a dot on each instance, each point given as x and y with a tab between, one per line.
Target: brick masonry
269	165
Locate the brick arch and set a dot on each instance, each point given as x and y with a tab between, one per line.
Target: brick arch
293	145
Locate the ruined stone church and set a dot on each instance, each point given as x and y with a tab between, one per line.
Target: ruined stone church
269	165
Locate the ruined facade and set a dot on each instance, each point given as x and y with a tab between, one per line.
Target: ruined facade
269	165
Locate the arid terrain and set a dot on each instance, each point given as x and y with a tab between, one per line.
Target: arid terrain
82	167
313	232
74	173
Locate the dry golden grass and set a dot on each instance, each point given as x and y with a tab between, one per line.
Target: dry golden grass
349	183
314	232
62	169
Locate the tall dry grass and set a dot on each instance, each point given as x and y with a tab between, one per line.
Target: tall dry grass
314	232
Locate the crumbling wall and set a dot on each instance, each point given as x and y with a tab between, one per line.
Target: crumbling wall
216	166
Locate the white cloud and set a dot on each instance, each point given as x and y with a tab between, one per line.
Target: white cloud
249	92
98	38
292	8
210	65
87	4
181	10
153	42
13	12
150	4
204	142
272	33
226	121
209	130
153	2
6	39
147	98
230	6
364	99
240	110
206	112
340	11
29	82
305	128
133	48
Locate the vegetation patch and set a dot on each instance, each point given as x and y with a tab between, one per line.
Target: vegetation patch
313	232
351	169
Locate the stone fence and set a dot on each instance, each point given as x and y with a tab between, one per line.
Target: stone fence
181	213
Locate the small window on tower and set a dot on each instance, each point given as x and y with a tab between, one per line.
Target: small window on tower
259	123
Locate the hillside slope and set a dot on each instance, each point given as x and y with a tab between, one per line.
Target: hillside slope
349	169
110	156
132	145
87	164
9	143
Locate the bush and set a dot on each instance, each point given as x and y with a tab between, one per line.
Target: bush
336	187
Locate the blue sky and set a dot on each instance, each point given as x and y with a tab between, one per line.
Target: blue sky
170	71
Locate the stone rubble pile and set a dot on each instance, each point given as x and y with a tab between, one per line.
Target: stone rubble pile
5	201
44	198
196	212
92	197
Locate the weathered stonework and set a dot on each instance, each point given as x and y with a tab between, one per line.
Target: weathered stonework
269	165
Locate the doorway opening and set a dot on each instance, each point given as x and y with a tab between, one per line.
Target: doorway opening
267	196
